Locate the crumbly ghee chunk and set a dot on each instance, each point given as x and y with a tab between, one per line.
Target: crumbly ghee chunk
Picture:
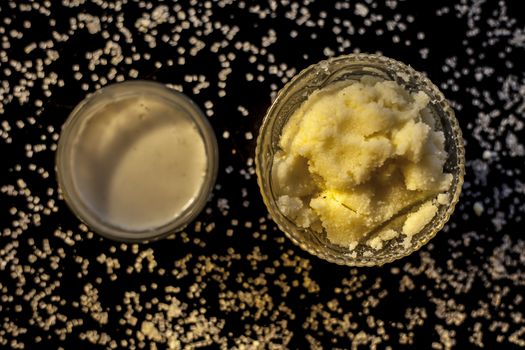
354	157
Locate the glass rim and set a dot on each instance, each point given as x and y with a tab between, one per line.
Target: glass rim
71	127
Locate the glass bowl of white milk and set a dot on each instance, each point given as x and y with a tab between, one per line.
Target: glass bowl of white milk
136	161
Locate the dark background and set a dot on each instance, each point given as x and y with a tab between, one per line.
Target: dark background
237	280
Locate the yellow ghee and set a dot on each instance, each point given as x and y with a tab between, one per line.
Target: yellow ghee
357	158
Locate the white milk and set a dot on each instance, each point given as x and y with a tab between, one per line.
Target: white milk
138	162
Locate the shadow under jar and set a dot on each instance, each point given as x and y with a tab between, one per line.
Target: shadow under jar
344	71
